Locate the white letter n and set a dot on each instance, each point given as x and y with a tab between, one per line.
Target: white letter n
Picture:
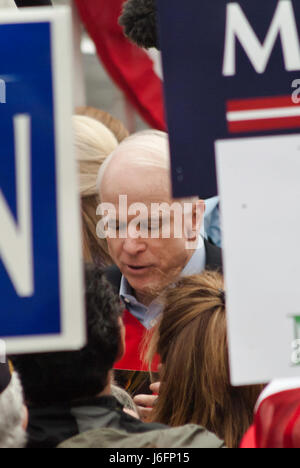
16	249
238	27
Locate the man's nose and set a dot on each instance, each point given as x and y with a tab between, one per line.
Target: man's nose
134	246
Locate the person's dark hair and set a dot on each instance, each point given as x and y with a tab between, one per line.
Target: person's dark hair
51	378
139	20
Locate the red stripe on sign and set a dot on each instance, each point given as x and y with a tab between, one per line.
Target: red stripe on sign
260	103
263	124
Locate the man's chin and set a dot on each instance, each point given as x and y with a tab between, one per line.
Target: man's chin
139	284
143	288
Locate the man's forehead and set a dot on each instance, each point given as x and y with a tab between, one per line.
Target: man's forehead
138	183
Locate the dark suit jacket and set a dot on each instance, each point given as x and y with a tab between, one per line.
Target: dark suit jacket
213	262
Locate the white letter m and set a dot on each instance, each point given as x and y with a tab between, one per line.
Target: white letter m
238	27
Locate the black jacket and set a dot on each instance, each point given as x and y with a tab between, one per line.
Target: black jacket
49	426
213	262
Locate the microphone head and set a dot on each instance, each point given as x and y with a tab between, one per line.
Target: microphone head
139	20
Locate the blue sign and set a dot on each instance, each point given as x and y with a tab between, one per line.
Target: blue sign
25	58
32	287
231	69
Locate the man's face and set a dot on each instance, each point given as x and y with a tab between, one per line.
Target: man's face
147	260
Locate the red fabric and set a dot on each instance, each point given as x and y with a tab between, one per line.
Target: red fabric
249	441
135	333
245	126
259	103
277	422
129	66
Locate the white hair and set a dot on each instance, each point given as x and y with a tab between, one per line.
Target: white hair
149	148
123	398
12	434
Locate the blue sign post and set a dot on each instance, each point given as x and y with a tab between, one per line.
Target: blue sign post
40	269
230	69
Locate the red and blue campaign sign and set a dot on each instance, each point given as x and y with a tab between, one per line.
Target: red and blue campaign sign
231	69
40	270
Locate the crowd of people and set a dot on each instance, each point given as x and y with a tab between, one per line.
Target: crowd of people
155	369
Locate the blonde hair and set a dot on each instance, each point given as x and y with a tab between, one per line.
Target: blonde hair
115	125
192	342
93	143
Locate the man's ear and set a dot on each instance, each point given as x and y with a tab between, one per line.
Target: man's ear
198	215
196	220
122	342
193	222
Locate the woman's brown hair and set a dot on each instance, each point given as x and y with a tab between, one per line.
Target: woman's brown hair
191	340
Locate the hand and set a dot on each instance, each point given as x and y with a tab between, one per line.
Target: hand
131	413
146	403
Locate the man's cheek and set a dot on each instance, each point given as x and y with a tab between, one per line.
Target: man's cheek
113	249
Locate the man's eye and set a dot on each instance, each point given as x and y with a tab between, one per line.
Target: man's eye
158	224
121	226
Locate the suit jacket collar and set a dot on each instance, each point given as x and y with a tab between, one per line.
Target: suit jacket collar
213	257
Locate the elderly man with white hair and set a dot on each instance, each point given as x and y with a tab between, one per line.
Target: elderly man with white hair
156	238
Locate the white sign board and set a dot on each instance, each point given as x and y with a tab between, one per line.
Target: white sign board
259	184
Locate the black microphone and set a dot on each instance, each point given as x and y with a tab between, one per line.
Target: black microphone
139	21
32	3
